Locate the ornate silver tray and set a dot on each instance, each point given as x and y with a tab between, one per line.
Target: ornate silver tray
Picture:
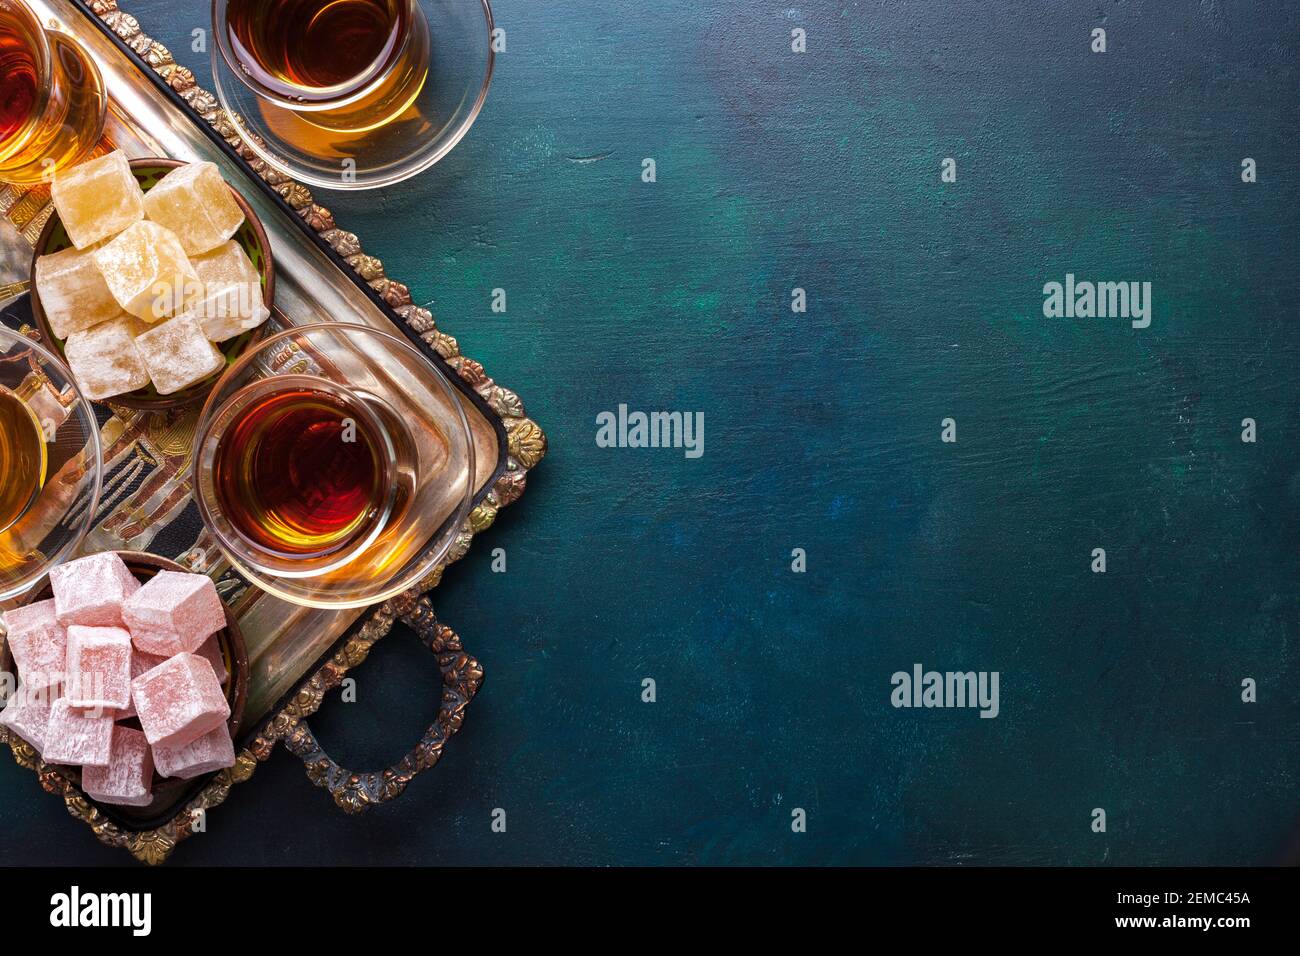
296	654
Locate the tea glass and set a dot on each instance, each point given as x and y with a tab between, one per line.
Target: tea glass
66	117
62	512
391	121
426	454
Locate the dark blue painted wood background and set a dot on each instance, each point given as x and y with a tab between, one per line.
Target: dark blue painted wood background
775	170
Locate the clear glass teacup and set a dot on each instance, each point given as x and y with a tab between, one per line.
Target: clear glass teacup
51	463
334	465
52	98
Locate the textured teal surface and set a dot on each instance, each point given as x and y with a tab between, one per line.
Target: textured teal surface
1118	690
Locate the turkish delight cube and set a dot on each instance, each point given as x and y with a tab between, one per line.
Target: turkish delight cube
211	652
28	714
128	776
97	199
179	701
48	408
73	292
99	668
224	312
77	738
38	643
104	358
213	751
147	271
140	662
178	354
227	264
174	613
232	302
91	590
195	203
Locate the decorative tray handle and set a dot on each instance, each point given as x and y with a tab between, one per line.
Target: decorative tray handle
461	677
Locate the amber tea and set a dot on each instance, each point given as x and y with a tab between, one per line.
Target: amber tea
19	76
301	472
23	459
315	49
352	64
52	99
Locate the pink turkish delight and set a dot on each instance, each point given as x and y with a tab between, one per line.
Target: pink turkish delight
140	662
91	590
127	778
99	668
211	652
174	613
179	701
38	643
27	714
212	751
73	737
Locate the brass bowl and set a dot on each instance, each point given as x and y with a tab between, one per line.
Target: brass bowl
251	235
166	790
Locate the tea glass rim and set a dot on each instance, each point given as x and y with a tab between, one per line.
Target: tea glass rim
266	581
353	90
45	61
220	57
73	544
257	554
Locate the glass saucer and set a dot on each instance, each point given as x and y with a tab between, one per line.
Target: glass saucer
299	144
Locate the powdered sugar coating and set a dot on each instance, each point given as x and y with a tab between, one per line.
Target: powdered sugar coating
210	651
232	302
140	662
72	737
177	354
28	715
147	271
97	199
99	668
212	751
91	590
174	613
179	701
72	292
104	358
38	643
195	203
128	777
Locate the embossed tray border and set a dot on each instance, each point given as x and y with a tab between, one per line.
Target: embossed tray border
525	447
